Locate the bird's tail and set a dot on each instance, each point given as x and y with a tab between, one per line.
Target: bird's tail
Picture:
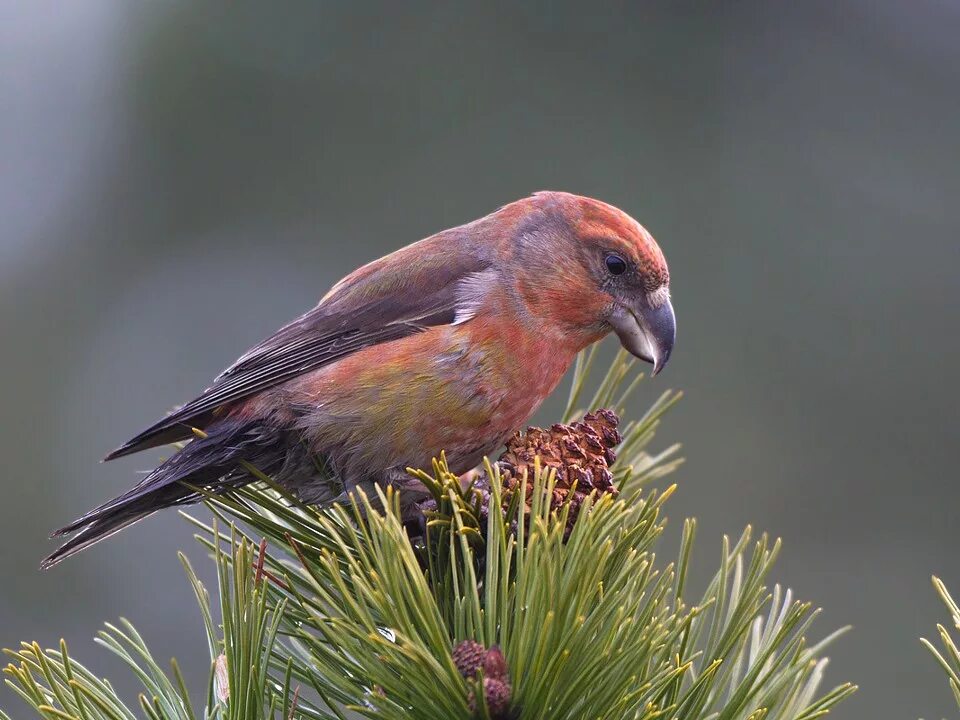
211	462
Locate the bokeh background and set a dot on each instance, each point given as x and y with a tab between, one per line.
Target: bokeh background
177	180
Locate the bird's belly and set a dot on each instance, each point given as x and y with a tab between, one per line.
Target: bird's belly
400	404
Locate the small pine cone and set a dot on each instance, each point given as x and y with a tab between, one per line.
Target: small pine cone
497	695
495	664
469	656
581	453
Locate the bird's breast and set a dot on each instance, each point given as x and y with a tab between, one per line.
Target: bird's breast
460	389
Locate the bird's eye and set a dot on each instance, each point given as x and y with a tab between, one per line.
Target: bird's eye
616	264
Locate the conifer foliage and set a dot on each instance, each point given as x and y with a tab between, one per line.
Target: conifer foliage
529	590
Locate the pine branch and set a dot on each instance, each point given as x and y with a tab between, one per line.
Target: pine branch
240	686
523	596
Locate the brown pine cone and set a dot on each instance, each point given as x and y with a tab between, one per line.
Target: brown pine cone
581	453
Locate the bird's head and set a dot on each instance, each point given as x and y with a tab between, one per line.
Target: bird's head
590	268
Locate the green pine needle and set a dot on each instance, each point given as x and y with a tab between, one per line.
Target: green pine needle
330	614
949	657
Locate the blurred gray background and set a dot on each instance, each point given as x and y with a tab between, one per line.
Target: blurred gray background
176	181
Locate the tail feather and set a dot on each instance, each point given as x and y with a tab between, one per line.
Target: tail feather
112	521
164	432
209	462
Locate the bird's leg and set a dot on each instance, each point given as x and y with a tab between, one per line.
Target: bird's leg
416	501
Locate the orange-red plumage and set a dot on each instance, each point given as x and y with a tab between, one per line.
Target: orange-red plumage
448	344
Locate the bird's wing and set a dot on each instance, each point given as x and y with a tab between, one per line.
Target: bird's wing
401	294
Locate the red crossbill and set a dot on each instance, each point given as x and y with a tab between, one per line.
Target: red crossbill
450	343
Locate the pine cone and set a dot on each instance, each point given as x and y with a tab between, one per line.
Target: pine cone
495	664
581	453
468	657
497	694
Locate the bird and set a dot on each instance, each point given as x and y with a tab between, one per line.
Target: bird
448	344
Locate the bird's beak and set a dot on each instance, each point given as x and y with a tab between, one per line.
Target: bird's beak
647	332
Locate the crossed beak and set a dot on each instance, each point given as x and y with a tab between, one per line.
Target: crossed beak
646	332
